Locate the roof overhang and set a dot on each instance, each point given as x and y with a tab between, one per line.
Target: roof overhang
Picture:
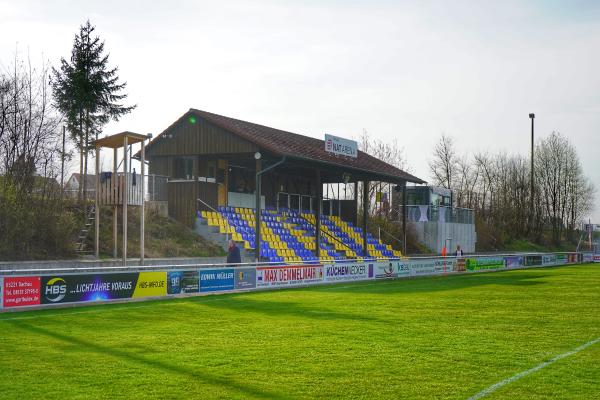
336	165
118	140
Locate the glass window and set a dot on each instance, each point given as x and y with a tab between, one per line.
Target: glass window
183	168
211	169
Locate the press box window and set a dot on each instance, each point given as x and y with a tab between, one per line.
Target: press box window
211	168
183	168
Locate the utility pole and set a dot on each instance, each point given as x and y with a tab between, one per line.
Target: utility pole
532	117
62	167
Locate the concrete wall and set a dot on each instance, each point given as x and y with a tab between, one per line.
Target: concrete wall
434	235
160	207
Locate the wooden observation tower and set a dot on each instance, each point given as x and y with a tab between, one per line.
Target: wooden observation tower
120	189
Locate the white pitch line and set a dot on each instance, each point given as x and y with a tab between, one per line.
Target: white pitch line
513	378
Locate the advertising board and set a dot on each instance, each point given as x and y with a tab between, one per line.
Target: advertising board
513	262
341	146
549	259
21	291
484	263
179	282
391	269
430	266
533	261
561	259
344	272
245	278
214	280
460	265
89	287
151	284
597	258
288	275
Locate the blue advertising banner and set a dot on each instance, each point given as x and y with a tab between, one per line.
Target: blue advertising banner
245	278
183	282
213	280
513	262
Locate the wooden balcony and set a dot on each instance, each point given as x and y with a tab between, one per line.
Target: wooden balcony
112	189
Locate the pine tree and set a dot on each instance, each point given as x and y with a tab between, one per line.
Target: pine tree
88	93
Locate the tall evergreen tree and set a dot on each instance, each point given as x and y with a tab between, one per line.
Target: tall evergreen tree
88	93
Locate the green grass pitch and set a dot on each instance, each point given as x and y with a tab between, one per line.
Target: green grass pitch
443	337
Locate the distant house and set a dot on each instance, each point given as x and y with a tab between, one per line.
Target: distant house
76	179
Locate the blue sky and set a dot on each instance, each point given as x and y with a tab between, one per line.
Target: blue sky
406	70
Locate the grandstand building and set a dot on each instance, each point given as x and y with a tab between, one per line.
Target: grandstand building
215	164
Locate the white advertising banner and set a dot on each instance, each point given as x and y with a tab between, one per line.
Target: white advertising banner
391	269
344	272
431	266
341	146
549	259
288	275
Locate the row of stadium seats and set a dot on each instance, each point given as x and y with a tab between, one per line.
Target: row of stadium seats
289	236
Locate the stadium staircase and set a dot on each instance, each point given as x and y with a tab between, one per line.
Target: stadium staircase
289	236
81	244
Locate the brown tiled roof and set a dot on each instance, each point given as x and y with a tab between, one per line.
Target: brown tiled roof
298	146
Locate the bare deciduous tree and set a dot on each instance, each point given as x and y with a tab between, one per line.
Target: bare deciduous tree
443	165
497	187
29	160
390	152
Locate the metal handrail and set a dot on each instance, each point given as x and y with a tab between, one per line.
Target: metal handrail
389	234
206	204
327	233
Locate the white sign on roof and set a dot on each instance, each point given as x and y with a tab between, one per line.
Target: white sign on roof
341	146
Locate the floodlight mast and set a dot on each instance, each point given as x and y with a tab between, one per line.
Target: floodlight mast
532	195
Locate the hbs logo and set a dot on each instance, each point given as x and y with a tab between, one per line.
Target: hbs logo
56	289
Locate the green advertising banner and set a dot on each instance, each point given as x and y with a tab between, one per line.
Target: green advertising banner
483	263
